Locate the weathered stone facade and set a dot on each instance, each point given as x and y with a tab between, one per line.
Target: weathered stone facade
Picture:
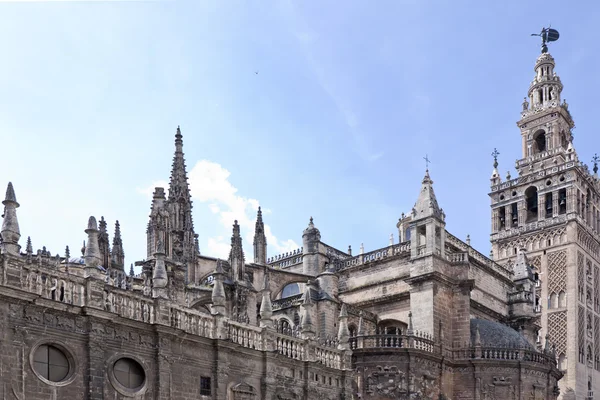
428	317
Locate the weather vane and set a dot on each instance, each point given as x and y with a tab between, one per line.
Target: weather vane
547	35
426	162
495	154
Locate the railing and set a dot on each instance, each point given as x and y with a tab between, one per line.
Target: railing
503	353
376	255
291	301
458	258
328	357
54	286
245	335
520	297
290	347
192	321
129	305
477	256
418	340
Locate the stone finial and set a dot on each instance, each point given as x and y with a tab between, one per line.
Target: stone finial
29	247
361	325
67	254
508	177
306	308
410	331
92	252
218	291
595	160
266	306
522	267
10	232
362	248
159	272
349	250
477	336
391	239
343	331
468	240
236	254
131	271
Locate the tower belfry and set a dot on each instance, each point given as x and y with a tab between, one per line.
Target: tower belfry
551	212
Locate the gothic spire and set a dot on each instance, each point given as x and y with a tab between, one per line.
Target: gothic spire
236	254
178	185
118	255
427	205
29	247
260	240
131	271
266	306
182	237
10	232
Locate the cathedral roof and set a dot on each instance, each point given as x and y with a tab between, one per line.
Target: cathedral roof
495	334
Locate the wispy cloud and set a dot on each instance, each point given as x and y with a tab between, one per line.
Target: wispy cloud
308	39
210	185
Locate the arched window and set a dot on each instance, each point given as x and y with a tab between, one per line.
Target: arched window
562	299
531	200
553	300
539	139
562	362
290	290
352	330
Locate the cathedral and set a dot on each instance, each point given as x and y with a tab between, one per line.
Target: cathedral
426	317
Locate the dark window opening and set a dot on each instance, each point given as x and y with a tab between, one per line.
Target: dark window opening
205	387
548	205
562	201
502	217
540	141
129	373
531	200
407	237
51	363
515	215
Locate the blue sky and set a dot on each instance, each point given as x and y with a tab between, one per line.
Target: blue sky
347	101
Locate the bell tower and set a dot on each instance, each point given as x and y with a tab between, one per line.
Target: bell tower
551	210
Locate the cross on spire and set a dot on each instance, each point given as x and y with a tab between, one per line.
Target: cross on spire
495	154
427	162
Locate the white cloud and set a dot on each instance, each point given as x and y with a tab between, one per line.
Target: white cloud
209	183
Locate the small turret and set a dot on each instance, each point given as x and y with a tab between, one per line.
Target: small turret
260	240
427	225
311	238
10	233
92	253
118	255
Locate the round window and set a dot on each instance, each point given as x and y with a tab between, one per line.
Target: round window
129	373
51	363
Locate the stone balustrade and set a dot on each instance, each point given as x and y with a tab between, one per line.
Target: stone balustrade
380	254
290	347
417	340
192	321
287	302
129	305
328	357
503	353
54	285
245	335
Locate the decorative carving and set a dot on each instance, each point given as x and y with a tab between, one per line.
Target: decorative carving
557	272
557	331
